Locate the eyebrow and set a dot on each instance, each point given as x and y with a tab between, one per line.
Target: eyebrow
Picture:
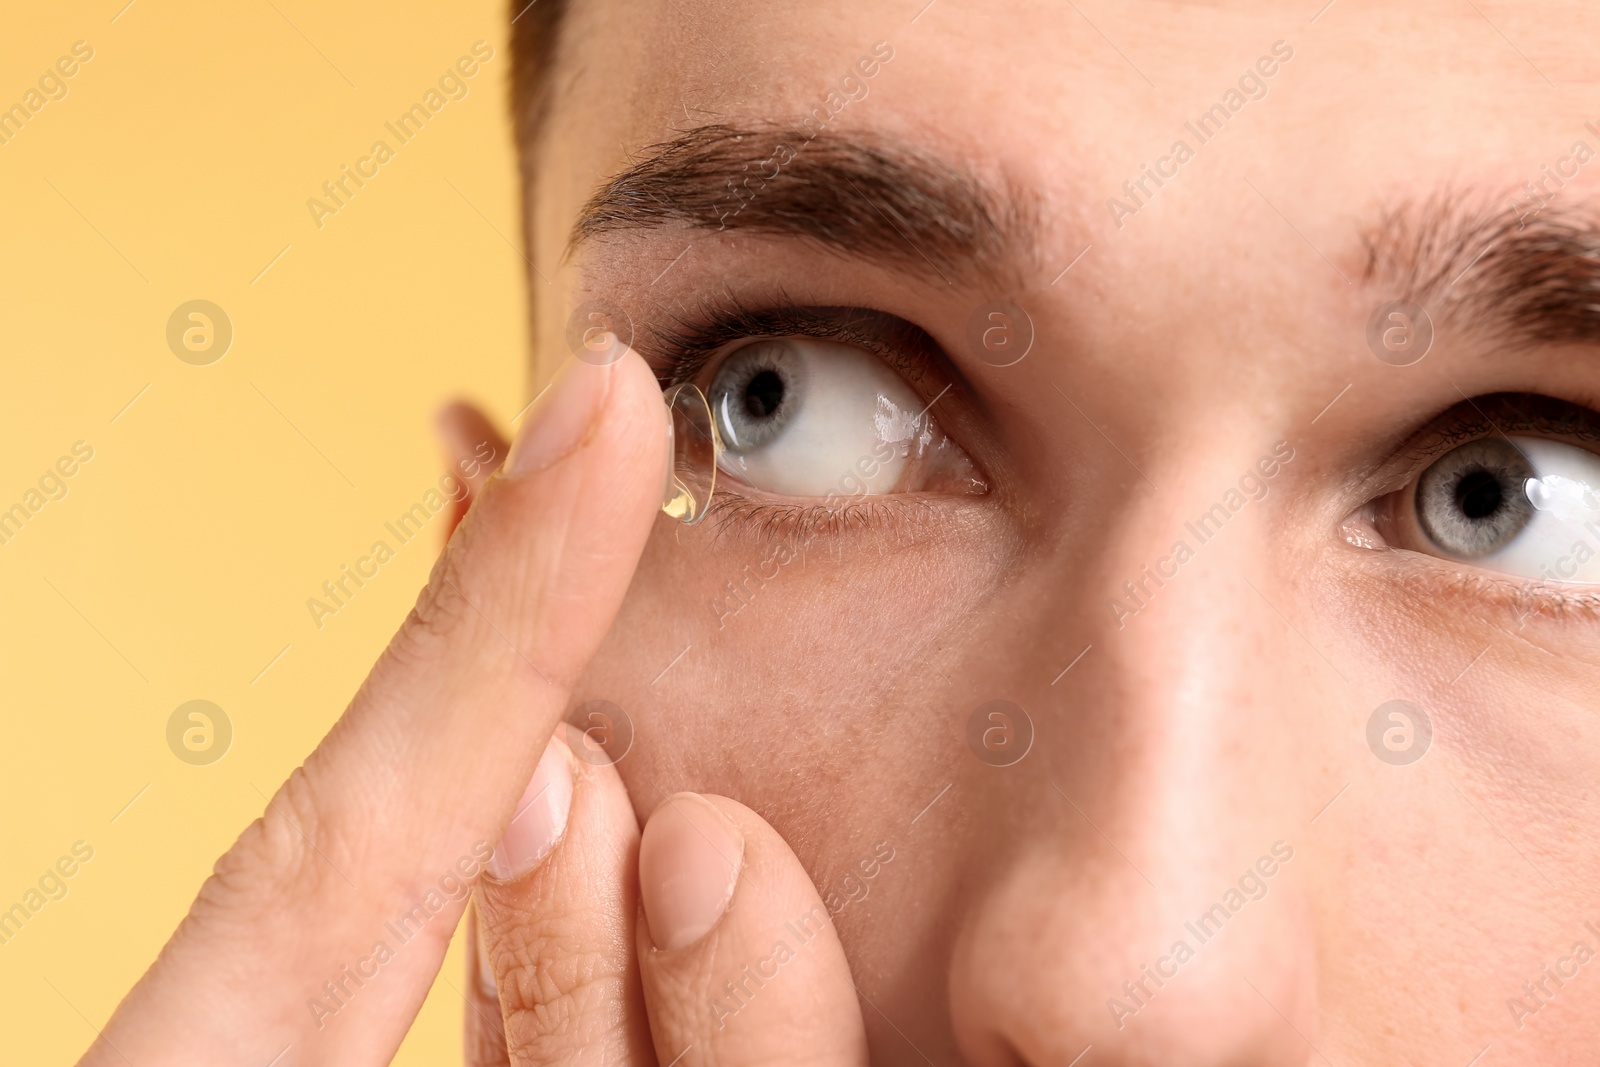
1520	276
859	195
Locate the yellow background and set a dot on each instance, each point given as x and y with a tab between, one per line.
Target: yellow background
179	563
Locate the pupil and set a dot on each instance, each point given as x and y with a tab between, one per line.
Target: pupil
1479	495
764	393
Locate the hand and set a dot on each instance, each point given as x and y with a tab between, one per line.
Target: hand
734	959
738	958
346	891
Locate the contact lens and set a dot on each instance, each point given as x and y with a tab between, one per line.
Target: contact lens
695	446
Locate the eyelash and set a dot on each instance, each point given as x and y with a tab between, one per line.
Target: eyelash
681	352
1521	598
1470	420
773	522
1509	413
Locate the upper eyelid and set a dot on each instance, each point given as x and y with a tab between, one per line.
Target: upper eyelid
682	351
1477	417
1506	413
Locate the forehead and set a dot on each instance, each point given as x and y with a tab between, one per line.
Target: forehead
1073	100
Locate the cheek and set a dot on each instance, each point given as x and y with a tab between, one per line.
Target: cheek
817	666
1508	774
821	701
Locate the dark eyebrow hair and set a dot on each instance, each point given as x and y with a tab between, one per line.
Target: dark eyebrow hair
859	195
1533	278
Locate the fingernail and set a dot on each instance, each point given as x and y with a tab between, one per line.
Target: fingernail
689	860
540	818
560	419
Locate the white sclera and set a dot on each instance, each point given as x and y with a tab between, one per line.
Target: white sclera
1561	543
857	426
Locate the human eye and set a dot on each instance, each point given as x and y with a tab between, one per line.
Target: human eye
1504	491
818	405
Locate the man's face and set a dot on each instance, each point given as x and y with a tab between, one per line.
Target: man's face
1181	536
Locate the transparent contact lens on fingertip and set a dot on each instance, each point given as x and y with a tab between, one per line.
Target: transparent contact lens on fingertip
695	447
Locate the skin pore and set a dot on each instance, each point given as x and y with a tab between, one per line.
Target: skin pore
1224	710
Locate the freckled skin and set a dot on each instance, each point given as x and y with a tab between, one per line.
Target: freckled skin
1230	711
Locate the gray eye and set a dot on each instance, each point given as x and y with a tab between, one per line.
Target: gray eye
756	393
810	419
1472	501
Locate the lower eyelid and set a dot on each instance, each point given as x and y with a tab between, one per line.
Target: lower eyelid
1425	578
1526	600
771	522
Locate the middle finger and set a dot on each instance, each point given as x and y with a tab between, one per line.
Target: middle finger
558	908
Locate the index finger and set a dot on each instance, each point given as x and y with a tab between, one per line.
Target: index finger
364	848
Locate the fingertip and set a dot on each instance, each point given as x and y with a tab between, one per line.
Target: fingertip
690	856
452	412
585	400
745	927
462	426
562	417
638	395
540	819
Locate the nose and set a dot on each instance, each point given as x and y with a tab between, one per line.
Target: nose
1151	912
